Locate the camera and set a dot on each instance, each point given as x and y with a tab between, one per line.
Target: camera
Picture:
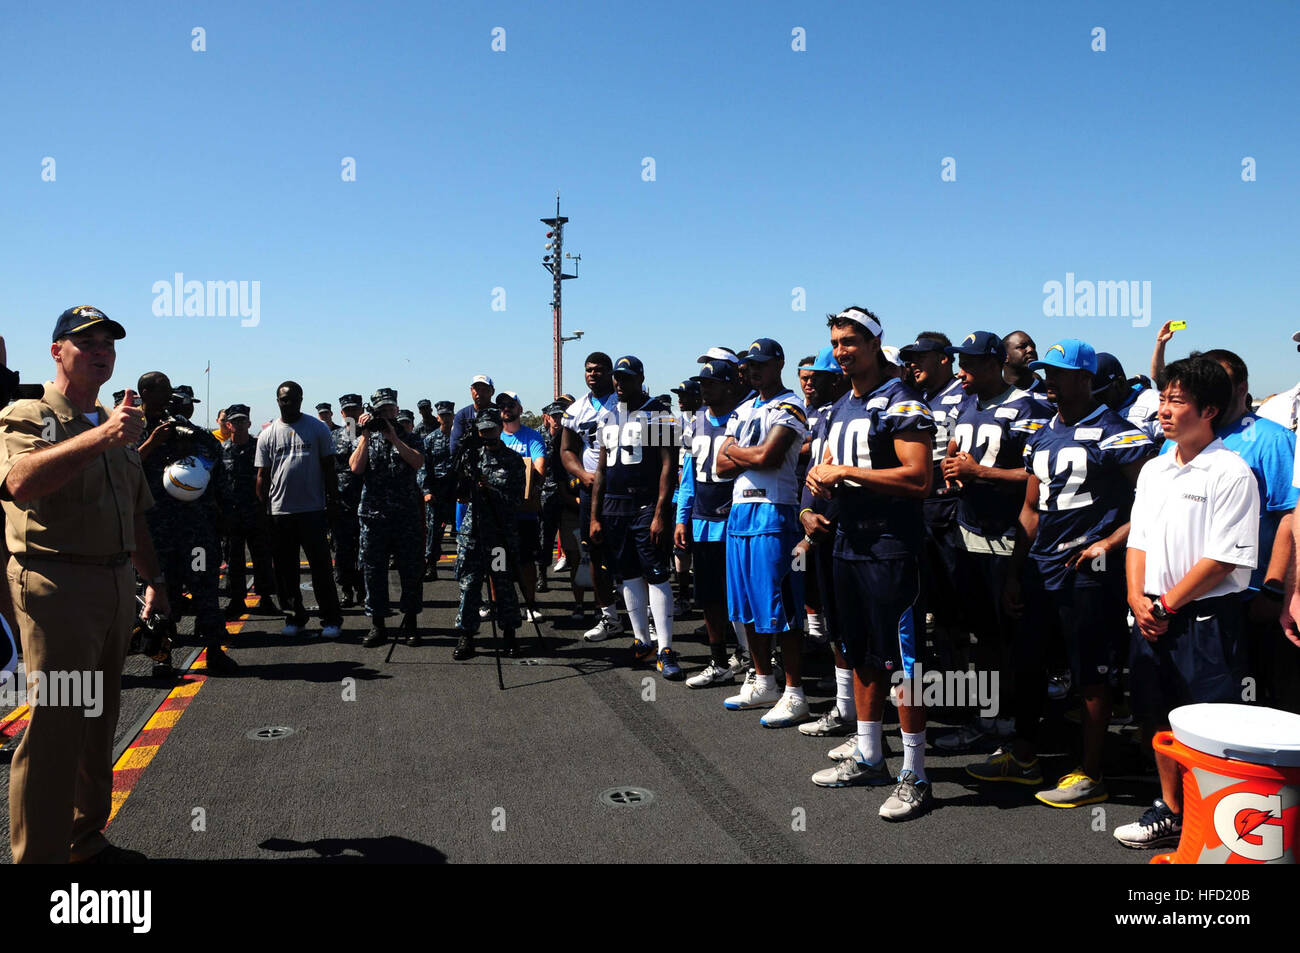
375	424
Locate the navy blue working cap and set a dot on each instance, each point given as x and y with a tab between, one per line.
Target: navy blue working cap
722	370
629	365
763	350
85	318
423	403
324	405
350	400
445	407
980	343
237	410
382	396
184	393
488	418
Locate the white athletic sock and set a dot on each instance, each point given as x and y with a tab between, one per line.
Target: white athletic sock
844	693
764	683
742	639
795	691
635	597
914	753
661	607
871	741
611	611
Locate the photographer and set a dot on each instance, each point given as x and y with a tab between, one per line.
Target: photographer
438	483
389	513
184	530
74	497
345	528
491	480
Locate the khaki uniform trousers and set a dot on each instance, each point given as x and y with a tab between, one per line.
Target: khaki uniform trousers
75	618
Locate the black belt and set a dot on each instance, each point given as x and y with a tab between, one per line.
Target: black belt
116	559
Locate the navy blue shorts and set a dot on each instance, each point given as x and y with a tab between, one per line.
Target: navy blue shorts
1091	619
710	569
980	580
943	548
631	554
875	612
1200	658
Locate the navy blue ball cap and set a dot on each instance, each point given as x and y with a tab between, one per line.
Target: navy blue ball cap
922	346
722	370
980	343
1109	370
690	386
763	350
85	318
629	365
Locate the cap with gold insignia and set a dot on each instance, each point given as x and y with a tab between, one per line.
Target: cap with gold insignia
84	318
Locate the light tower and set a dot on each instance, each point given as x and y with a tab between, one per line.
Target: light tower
553	261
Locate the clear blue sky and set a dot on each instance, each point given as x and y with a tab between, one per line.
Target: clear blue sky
775	169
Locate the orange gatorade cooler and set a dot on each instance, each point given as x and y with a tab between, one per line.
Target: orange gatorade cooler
1241	785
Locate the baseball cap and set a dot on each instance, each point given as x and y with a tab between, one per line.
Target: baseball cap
763	350
718	354
445	407
1109	370
324	405
567	398
825	361
406	415
980	343
921	346
83	318
118	395
629	365
891	354
235	411
382	396
687	387
488	418
350	400
720	369
482	379
508	395
184	392
1070	354
423	404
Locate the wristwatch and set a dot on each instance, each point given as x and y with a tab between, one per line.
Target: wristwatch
1159	609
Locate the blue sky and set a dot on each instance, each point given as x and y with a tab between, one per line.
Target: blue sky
774	170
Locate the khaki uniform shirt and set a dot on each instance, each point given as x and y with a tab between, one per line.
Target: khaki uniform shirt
93	513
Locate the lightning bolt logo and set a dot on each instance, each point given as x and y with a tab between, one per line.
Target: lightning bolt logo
1246	821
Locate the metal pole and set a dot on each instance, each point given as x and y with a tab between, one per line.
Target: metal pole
557	282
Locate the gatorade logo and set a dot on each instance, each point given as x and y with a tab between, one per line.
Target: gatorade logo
1250	825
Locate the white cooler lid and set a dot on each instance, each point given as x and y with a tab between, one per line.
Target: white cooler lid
1241	732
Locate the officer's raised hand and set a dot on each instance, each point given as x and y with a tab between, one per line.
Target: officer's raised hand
124	424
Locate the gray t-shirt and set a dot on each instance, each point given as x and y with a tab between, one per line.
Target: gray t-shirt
293	454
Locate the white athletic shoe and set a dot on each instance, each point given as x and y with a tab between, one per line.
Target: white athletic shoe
714	674
531	615
331	632
790	710
603	630
963	739
846	751
562	564
829	724
485	612
751	697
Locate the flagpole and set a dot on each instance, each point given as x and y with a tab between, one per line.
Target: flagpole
208	373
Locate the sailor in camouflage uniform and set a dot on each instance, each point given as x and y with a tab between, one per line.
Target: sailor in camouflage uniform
245	519
488	543
438	483
345	529
389	514
185	532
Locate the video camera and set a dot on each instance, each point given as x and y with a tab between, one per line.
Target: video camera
11	389
153	637
374	424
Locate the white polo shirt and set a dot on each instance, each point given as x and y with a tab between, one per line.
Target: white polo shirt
1208	508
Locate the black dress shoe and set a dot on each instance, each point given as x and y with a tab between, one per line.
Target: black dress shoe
346	601
219	663
509	646
542	584
410	628
235	609
430	572
378	635
464	647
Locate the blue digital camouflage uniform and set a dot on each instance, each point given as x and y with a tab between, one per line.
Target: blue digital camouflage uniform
245	522
389	511
488	541
185	534
345	528
438	480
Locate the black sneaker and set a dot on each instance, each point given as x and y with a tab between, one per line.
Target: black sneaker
464	647
219	663
378	635
509	646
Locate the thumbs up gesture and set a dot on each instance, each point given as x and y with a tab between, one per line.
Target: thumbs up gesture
124	424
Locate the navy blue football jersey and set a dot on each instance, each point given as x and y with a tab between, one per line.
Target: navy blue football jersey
994	433
702	439
1083	495
860	432
632	440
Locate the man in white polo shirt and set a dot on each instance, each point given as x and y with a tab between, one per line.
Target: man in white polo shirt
1192	544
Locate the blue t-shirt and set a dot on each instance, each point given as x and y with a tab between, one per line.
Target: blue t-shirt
859	432
528	443
1269	450
1083	495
